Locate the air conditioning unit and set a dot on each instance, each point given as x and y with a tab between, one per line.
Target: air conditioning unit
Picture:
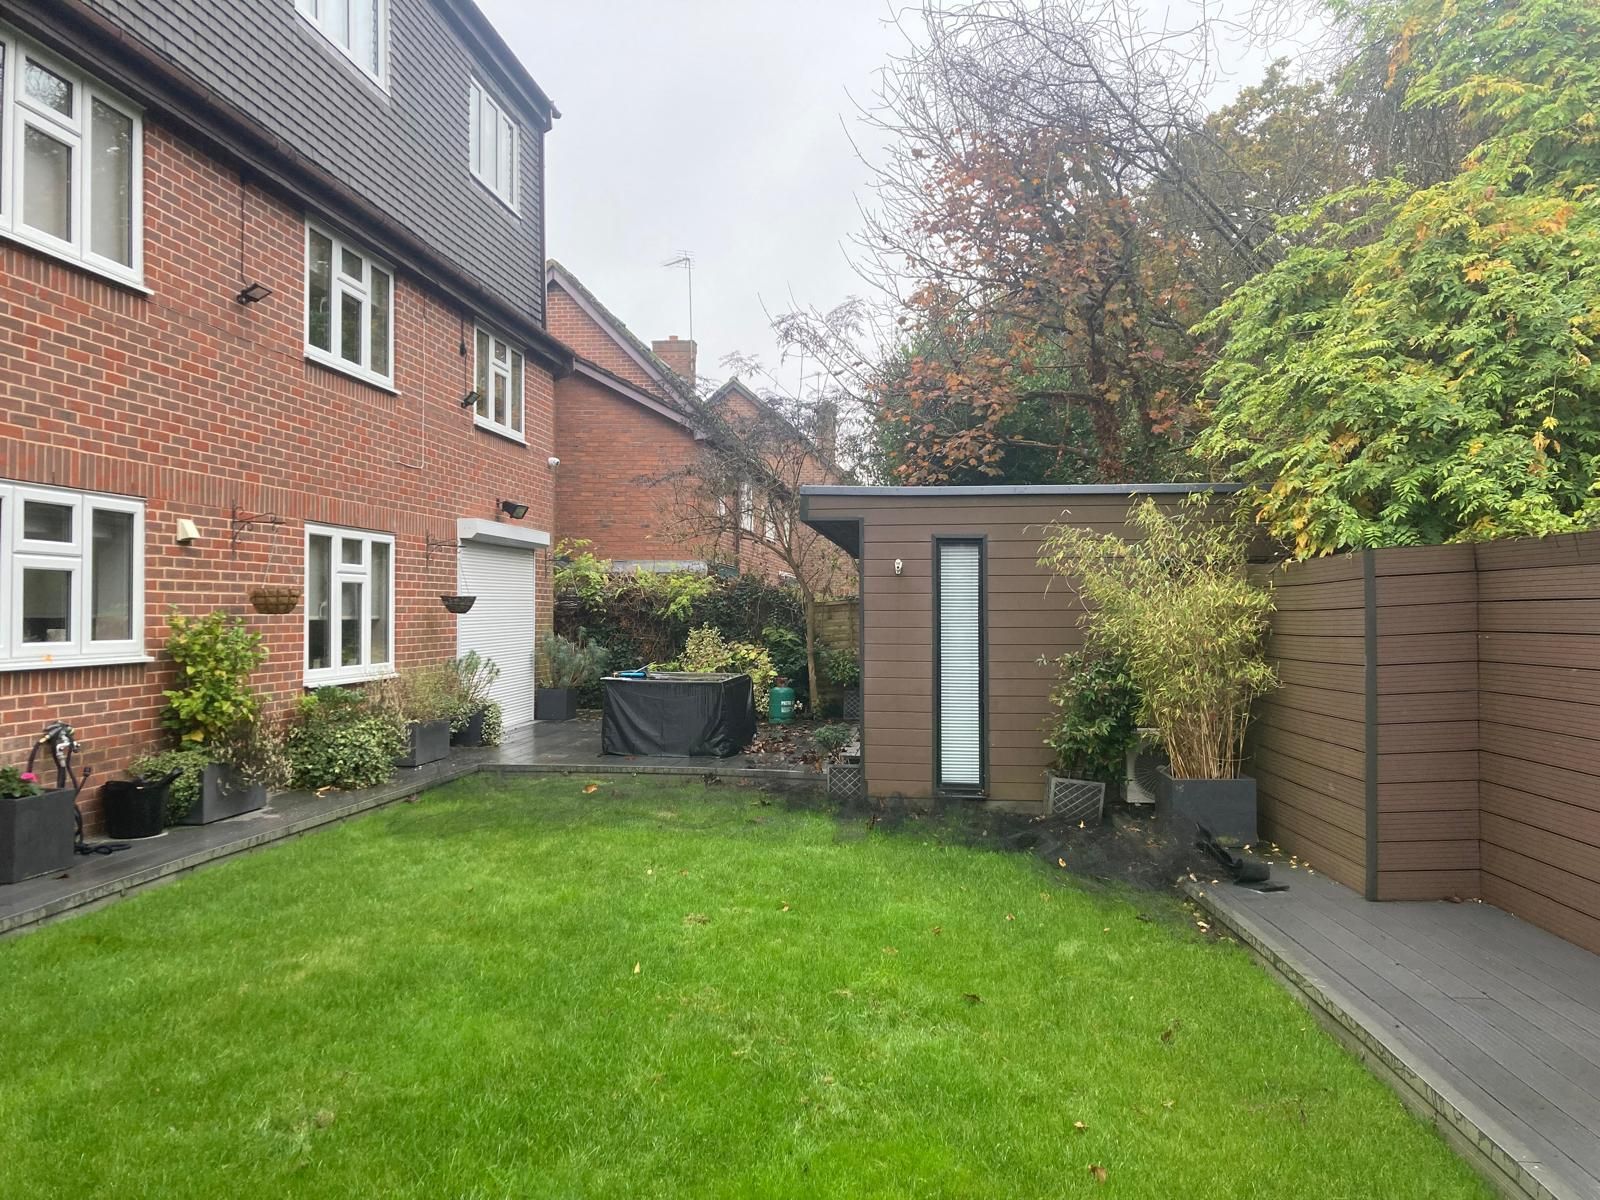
1144	768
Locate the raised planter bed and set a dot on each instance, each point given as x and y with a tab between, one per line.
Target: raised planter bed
36	835
428	741
224	793
1226	807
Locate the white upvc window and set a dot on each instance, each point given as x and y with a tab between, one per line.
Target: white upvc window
349	308
494	145
71	578
498	382
747	507
349	605
71	164
359	28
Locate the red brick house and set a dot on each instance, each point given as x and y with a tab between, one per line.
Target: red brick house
266	318
629	426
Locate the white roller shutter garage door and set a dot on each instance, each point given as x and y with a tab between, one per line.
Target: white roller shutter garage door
500	625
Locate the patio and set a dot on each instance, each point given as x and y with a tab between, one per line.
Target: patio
570	747
1481	1022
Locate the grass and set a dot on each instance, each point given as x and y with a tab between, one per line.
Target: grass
520	989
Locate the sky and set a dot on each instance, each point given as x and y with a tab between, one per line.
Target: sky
716	127
720	128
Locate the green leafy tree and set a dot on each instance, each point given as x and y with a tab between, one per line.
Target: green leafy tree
1420	370
215	655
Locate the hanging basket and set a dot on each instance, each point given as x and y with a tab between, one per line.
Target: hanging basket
275	600
459	604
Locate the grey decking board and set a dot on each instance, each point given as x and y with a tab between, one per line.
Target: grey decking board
1511	1052
1498	1135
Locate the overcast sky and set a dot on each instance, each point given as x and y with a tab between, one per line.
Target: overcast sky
712	126
718	127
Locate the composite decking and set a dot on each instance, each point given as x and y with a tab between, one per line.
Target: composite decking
1485	1024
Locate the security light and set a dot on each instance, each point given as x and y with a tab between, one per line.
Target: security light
253	293
470	400
513	510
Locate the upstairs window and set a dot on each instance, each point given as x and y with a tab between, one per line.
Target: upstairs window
70	159
499	385
494	145
349	308
71	577
359	28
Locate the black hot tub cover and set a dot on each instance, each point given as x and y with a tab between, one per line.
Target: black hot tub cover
678	713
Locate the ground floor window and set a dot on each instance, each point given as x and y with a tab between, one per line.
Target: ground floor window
959	673
71	577
349	605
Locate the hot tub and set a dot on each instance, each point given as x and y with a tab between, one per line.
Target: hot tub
679	713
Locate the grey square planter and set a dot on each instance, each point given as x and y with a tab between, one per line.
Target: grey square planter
1227	807
429	741
555	704
36	835
224	793
471	734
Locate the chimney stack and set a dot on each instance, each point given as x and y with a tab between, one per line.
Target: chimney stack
677	354
827	435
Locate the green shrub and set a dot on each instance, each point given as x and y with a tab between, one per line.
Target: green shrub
707	650
579	573
787	650
344	738
493	723
256	753
842	667
1178	605
428	693
184	791
572	664
215	655
474	676
830	739
1096	719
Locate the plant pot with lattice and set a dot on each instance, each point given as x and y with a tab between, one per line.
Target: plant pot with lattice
1090	733
274	601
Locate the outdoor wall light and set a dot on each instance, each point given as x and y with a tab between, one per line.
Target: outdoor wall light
470	400
513	510
253	293
899	566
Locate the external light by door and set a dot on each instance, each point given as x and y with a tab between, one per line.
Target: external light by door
513	510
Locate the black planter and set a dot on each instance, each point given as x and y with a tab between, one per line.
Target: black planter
429	741
224	793
470	734
134	808
36	835
1227	807
555	704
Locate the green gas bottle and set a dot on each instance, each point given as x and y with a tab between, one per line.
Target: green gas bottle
780	704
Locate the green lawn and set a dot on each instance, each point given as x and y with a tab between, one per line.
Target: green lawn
520	990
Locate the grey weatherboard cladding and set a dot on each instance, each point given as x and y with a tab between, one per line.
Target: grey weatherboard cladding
405	149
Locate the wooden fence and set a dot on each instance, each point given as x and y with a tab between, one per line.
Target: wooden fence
1438	732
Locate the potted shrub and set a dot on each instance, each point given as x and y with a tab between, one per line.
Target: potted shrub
344	738
37	827
213	710
428	698
183	793
843	668
1178	605
569	666
1095	724
471	721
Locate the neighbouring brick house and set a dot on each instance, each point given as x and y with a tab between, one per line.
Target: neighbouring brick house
628	427
265	257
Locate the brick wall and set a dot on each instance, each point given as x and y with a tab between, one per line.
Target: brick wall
197	403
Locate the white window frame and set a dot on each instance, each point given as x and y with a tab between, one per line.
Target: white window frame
483	413
341	572
341	285
747	506
483	109
319	14
81	649
17	113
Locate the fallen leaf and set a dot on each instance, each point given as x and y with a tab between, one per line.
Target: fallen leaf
324	1118
1011	916
785	908
890	950
636	968
937	930
1097	1172
590	789
696	919
1168	1103
1079	1126
972	997
1061	862
1168	1033
1145	917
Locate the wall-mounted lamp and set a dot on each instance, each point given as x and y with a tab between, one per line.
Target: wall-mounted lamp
187	532
899	566
552	462
254	293
513	510
470	400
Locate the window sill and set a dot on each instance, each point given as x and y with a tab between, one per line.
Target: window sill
500	431
66	663
338	678
332	362
129	281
